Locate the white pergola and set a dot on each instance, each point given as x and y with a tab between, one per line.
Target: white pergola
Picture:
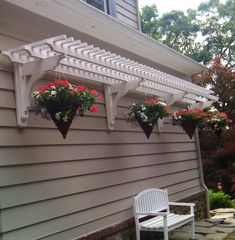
118	74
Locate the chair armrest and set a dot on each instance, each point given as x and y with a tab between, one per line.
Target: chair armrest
191	205
152	213
182	204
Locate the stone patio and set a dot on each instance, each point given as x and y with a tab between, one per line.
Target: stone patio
216	228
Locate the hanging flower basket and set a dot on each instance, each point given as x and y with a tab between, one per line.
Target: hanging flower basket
188	119
62	101
146	127
147	114
216	121
189	126
62	125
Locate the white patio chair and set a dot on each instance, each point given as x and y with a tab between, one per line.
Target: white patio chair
152	213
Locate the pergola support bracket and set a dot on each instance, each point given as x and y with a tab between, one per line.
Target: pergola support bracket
201	105
25	75
113	93
170	100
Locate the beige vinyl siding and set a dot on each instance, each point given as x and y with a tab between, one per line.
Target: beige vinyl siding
53	189
126	11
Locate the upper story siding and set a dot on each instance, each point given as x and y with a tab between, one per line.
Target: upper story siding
124	10
127	12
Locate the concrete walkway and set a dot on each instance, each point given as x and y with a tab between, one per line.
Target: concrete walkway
216	228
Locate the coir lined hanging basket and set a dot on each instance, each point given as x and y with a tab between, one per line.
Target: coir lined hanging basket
146	127
147	114
63	126
62	100
189	126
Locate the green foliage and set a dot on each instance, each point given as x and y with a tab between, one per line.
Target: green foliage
149	22
217	25
148	111
220	200
206	35
200	34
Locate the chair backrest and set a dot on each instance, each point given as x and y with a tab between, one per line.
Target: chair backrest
151	200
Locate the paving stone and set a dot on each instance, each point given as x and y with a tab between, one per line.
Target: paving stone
222	215
223	229
217	228
204	230
229	221
224	210
215	221
205	224
217	236
179	236
227	225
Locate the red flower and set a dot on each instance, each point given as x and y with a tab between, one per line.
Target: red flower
100	98
181	112
51	84
94	108
81	88
152	100
94	92
63	83
42	89
223	114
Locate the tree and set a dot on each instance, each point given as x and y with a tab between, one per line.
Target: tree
217	25
149	21
179	31
207	35
221	78
200	34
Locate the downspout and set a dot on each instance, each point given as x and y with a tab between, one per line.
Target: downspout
201	173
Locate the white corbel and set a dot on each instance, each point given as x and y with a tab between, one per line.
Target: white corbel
170	100
25	75
202	105
113	93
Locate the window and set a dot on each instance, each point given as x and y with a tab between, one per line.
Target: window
107	6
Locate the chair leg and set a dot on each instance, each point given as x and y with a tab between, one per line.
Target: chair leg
166	237
193	230
165	228
137	234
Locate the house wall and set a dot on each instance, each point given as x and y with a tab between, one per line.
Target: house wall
127	12
51	188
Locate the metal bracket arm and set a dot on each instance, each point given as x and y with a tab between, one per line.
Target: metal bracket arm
113	93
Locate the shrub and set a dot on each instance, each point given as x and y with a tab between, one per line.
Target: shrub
220	200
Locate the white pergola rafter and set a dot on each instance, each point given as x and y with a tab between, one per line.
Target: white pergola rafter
120	75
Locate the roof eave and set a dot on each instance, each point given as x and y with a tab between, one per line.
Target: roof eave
108	29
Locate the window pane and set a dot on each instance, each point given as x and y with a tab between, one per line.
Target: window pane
97	3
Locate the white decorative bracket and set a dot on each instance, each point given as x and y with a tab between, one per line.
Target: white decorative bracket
170	100
113	93
25	75
202	105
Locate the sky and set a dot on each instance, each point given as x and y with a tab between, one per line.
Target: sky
164	6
